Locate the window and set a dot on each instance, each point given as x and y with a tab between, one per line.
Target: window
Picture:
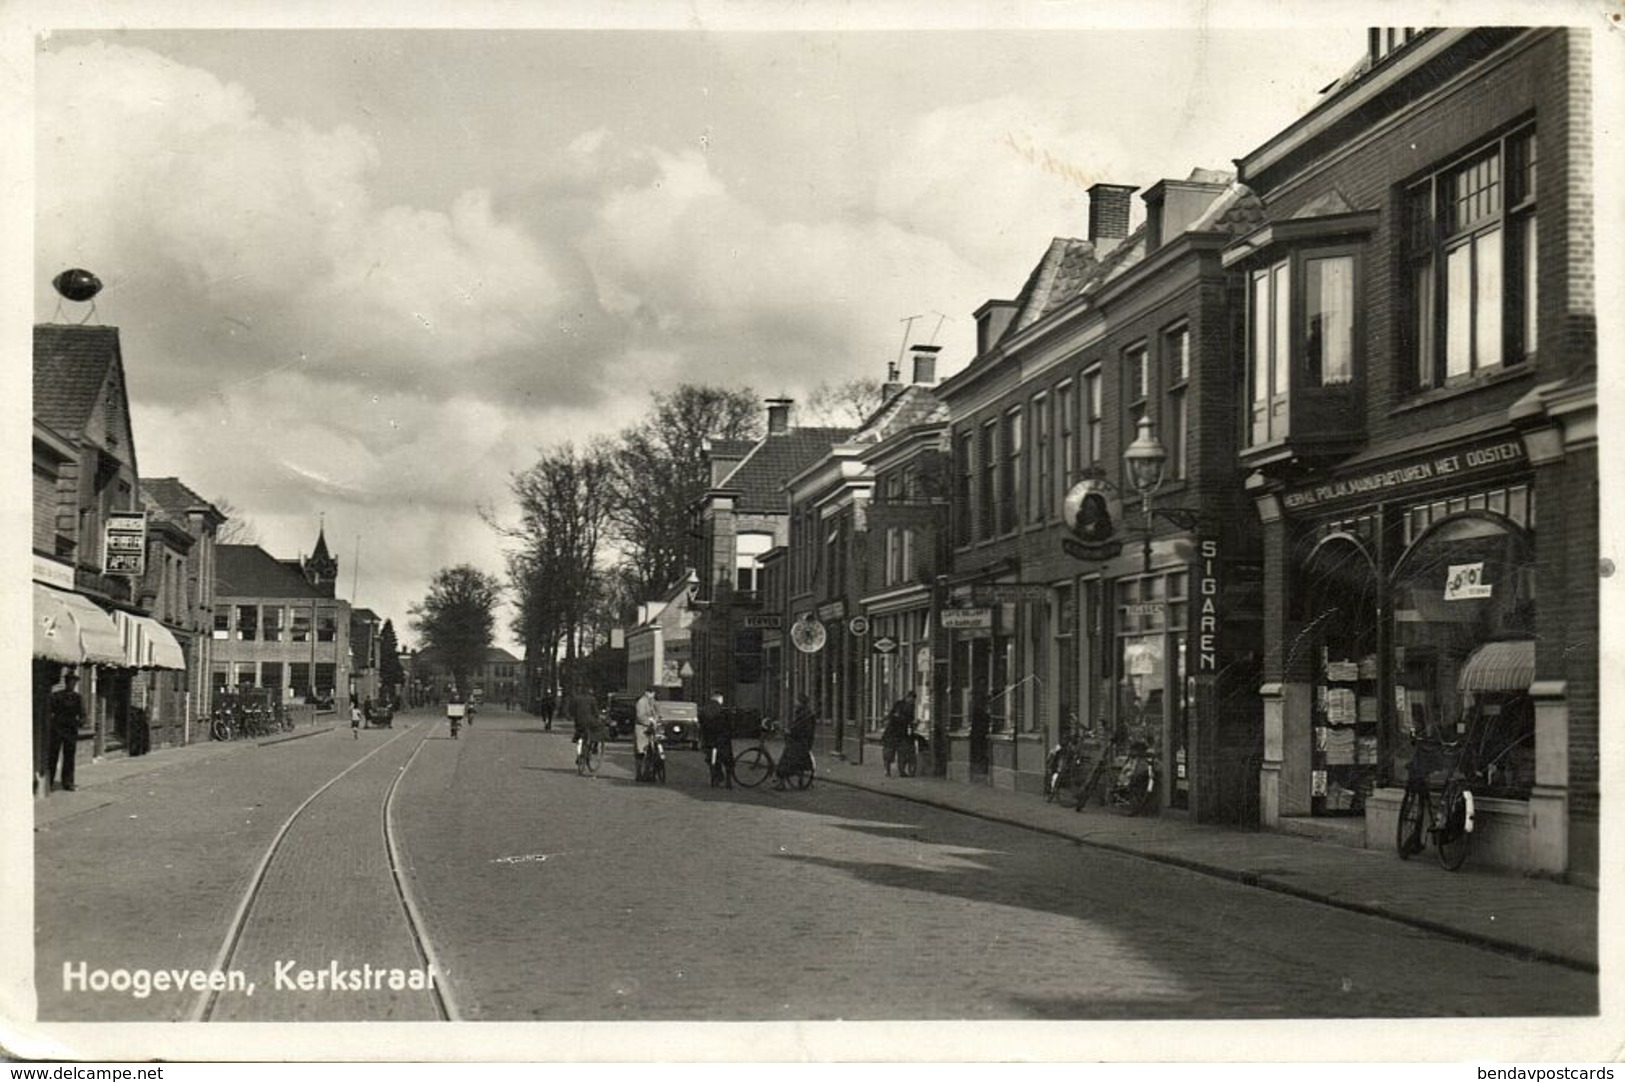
271	620
222	623
1091	403
327	625
299	679
1471	259
300	631
748	551
1066	404
1269	314
271	674
1176	348
248	620
1010	477
1329	320
326	677
965	476
1042	497
987	499
1136	383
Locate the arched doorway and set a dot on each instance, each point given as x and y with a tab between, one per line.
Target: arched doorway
1341	611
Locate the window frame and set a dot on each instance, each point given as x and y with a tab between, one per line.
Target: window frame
1041	495
1176	363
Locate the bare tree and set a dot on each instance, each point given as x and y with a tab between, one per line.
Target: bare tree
660	472
847	404
236	530
565	502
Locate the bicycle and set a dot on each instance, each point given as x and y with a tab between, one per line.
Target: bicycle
1136	780
220	728
756	764
1450	825
652	766
1066	768
589	756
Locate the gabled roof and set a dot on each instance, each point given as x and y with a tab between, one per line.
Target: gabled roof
759	478
1066	267
172	501
916	404
250	571
71	366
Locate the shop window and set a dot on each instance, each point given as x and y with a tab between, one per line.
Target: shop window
1471	259
1340	617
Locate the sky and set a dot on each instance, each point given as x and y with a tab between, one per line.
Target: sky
363	275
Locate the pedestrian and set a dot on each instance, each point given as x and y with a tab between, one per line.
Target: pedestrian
549	704
981	722
798	741
898	731
355	719
646	719
66	713
716	740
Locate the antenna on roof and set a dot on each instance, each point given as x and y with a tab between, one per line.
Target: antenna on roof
894	371
940	319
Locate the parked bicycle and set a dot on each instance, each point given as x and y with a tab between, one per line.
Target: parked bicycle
1468	765
652	767
1069	762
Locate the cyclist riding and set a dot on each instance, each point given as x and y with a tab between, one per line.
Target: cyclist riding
589	727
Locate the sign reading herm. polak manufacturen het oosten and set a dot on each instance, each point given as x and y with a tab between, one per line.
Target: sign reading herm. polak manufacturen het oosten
124	543
1435	467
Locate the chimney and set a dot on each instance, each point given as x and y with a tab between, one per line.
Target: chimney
778	415
722	463
925	364
1108	215
1172	205
992	320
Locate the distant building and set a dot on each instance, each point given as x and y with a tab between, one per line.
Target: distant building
178	592
499	677
277	625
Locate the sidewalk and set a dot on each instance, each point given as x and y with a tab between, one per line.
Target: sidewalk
1533	918
94	777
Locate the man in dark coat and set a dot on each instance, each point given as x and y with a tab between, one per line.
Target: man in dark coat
66	712
898	731
717	741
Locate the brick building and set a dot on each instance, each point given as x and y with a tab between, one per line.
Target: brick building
178	592
1420	437
278	625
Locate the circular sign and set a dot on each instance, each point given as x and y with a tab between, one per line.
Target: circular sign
858	625
808	635
885	645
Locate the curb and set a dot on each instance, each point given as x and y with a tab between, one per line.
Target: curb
1249	879
292	736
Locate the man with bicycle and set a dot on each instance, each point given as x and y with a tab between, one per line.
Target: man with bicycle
716	740
582	710
646	714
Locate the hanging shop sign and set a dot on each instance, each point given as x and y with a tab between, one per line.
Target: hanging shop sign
764	621
1422	470
885	644
832	610
808	634
858	625
1465	582
967	619
1207	618
124	543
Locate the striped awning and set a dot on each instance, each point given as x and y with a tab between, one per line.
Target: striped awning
1499	666
94	639
147	643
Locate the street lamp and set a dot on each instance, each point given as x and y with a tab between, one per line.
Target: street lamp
1144	462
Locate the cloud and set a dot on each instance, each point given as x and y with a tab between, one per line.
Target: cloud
240	246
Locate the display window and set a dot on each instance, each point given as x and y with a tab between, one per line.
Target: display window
1341	612
1152	701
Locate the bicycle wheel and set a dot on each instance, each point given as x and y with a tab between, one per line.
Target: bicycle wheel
908	764
752	767
1455	835
1094	783
657	769
220	729
801	779
1133	798
1413	812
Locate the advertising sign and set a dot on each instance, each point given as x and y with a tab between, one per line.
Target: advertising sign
124	543
885	644
859	626
764	621
808	635
967	619
1465	582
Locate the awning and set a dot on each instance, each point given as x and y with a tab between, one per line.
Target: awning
1499	666
56	635
96	638
147	643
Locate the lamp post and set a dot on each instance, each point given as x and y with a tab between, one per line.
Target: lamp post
1144	460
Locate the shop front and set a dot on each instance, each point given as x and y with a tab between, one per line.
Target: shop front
1411	605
